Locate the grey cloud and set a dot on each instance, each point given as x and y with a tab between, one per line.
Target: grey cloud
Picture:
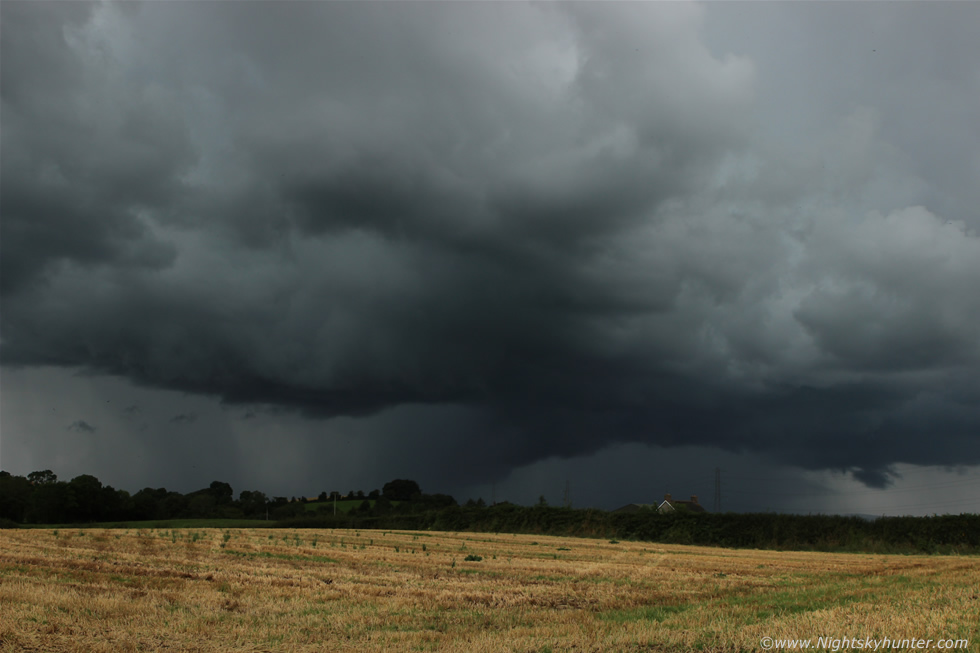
896	291
36	51
87	149
80	426
566	225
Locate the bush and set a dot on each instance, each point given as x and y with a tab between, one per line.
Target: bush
8	523
942	534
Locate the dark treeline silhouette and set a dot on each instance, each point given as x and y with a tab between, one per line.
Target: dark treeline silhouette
40	498
938	534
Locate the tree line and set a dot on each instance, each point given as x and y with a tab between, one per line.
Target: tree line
40	498
949	534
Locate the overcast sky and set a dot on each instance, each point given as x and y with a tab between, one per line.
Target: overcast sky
495	248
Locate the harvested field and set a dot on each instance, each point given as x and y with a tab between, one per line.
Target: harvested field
333	590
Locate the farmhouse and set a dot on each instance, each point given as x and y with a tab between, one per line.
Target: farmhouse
671	504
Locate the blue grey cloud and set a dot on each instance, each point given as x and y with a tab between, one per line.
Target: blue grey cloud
579	225
80	426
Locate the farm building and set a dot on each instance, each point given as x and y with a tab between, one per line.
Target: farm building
669	504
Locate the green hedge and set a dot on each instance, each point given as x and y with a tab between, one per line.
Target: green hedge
938	534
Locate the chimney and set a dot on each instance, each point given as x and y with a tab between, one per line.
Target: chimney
667	498
694	498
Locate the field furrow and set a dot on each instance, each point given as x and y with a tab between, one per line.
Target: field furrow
338	590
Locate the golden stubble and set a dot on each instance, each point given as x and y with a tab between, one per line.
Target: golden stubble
344	590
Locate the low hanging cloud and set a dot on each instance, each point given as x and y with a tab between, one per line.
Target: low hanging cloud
81	426
561	218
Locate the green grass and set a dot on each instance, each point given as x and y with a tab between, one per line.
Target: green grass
344	506
656	613
280	556
799	599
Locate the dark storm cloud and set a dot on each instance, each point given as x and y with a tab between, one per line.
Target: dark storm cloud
560	220
183	418
83	153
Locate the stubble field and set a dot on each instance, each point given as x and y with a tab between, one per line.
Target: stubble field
337	590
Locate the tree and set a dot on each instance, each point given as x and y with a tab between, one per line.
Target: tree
173	505
436	501
45	477
288	511
253	503
115	504
15	496
221	492
400	490
146	503
202	506
49	504
85	497
382	506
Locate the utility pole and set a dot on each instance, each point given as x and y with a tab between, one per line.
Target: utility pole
717	489
568	498
335	504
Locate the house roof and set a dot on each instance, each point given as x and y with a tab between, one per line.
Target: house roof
673	504
669	504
